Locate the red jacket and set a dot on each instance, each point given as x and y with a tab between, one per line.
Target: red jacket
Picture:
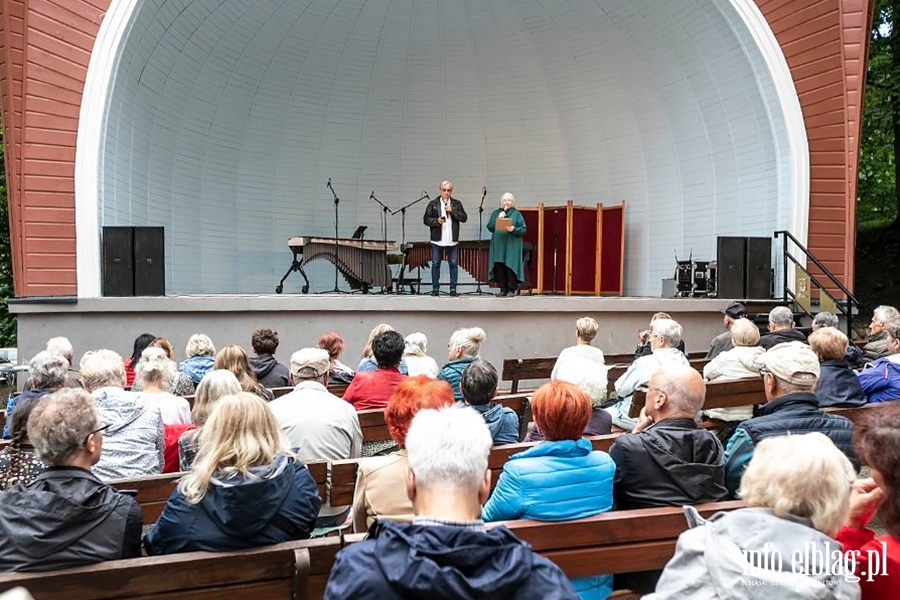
372	389
881	587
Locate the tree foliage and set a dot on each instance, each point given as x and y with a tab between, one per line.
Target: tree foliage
7	321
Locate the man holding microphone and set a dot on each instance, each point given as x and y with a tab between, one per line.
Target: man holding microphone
443	216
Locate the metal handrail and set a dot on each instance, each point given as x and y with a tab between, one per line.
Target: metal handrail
813	279
823	268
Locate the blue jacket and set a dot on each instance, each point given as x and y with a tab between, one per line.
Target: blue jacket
240	514
196	367
409	561
369	364
11	405
880	380
556	481
502	422
838	385
452	372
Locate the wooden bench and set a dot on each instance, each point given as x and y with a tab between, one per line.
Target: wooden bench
719	394
282	571
153	491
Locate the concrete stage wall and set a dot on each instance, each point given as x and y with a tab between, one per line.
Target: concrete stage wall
527	326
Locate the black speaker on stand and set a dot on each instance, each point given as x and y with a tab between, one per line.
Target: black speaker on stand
744	267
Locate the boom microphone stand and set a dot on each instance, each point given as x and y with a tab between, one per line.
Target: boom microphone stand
384	213
337	202
402	211
481	255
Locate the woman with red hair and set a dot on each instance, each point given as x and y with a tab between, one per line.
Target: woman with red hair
558	479
334	344
381	481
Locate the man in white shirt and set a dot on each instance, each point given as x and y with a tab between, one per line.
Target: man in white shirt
443	215
318	424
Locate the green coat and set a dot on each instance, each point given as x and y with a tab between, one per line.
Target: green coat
506	247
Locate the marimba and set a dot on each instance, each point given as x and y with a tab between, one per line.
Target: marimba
362	263
472	256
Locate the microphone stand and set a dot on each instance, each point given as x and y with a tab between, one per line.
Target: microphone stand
402	211
337	202
384	213
482	255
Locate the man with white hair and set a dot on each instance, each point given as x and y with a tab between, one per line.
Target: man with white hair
781	328
47	374
443	216
664	337
446	552
877	346
63	346
790	373
318	424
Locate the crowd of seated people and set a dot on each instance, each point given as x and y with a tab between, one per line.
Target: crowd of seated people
247	484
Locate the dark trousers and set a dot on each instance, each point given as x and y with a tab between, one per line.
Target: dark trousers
506	278
437	254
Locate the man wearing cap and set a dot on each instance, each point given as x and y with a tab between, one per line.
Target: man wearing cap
790	372
318	424
722	342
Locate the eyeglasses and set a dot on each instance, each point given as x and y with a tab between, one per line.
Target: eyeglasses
100	429
764	371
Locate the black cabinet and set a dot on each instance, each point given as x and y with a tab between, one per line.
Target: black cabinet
133	261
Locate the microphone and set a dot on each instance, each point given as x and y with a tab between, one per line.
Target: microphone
425	193
328	185
484	190
372	195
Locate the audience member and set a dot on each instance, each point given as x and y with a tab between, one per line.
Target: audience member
372	389
790	514
781	328
180	384
446	552
880	379
586	330
368	362
317	424
379	492
48	373
479	386
268	371
200	357
877	346
67	517
590	378
416	356
334	344
462	351
667	460
18	463
665	335
878	445
853	355
559	479
234	359
62	345
155	372
838	384
140	344
644	348
723	342
790	372
741	361
246	489
215	385
133	443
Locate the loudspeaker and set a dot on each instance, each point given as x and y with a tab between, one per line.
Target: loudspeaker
759	267
731	257
133	261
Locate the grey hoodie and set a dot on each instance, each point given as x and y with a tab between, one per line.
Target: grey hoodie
710	563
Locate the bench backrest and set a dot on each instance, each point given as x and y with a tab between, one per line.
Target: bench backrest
719	394
283	571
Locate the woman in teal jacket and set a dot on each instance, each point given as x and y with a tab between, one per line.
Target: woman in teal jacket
505	258
560	479
462	351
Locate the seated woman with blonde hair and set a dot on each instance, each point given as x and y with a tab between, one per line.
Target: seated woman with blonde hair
246	489
214	386
797	489
739	362
381	480
235	359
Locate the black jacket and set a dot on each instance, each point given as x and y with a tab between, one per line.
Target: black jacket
269	372
408	561
433	213
671	463
66	518
774	338
799	413
838	385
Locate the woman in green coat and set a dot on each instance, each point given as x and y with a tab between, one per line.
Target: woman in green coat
505	259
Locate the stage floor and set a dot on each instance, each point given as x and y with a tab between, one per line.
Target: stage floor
521	326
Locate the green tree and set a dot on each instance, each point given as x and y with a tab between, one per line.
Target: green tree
7	320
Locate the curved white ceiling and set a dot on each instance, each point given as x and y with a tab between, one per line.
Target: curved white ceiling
223	119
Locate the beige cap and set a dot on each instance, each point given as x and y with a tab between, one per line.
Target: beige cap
307	363
793	362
